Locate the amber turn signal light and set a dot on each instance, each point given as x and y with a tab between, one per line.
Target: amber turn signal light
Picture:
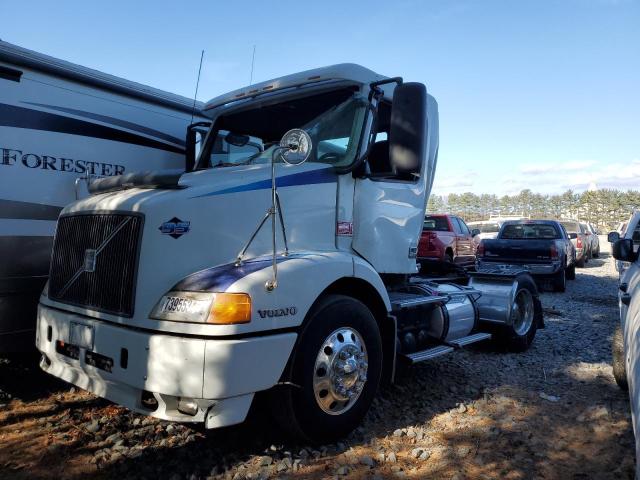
230	308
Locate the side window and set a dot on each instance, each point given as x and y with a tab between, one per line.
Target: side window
456	225
566	235
225	153
379	163
635	236
464	227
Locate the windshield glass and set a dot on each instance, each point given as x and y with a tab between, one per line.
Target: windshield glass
530	231
571	227
490	227
438	224
334	121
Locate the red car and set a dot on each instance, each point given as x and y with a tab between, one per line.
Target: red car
446	238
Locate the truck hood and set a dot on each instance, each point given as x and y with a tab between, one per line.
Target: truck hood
217	210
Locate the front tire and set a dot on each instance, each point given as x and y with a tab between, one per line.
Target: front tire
618	363
335	369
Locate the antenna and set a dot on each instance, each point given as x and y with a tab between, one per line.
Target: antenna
193	111
253	60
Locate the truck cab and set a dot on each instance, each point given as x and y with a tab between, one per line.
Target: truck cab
290	270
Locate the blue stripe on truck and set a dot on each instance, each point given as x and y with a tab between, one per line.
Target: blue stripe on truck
323	175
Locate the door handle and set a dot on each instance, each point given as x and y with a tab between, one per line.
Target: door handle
626	299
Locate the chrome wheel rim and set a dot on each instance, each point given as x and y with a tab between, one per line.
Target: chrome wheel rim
522	312
340	371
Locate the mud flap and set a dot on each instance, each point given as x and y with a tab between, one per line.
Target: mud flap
388	334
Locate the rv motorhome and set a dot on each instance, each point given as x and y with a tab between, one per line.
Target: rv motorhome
60	126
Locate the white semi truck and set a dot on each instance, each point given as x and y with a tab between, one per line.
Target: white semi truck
184	296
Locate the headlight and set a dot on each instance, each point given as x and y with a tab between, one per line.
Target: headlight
204	307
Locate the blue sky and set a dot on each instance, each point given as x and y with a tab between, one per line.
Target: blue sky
532	94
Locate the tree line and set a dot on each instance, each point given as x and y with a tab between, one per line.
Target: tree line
603	208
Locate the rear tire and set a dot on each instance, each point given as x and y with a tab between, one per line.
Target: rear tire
580	263
571	272
618	359
560	281
597	253
519	336
340	346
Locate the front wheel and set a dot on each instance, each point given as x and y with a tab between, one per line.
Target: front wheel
335	372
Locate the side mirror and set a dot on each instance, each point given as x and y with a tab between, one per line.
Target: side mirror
296	146
623	250
191	142
475	232
573	235
613	237
407	134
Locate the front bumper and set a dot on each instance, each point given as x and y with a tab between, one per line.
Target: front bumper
220	375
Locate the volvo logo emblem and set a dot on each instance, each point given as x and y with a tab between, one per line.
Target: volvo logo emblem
90	256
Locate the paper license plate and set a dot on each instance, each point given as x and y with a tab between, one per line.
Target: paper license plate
81	335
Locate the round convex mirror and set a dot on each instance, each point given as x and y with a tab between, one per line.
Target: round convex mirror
297	146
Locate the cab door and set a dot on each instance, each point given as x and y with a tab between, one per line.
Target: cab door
390	197
464	240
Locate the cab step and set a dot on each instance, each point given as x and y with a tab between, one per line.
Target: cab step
468	340
427	354
449	347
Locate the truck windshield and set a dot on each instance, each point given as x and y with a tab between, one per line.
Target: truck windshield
334	121
438	224
530	231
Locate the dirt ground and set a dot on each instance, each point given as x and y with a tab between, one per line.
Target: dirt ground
553	412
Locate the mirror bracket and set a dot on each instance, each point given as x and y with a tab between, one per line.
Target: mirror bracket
294	149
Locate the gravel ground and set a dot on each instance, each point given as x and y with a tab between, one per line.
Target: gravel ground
552	412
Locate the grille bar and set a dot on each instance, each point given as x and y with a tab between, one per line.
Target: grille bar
107	281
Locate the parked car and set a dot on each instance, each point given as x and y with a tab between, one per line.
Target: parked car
541	246
581	242
589	239
626	338
486	229
446	238
595	240
630	231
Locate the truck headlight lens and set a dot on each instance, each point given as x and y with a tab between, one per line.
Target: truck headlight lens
204	307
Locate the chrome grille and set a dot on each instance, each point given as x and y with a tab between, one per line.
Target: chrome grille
94	261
